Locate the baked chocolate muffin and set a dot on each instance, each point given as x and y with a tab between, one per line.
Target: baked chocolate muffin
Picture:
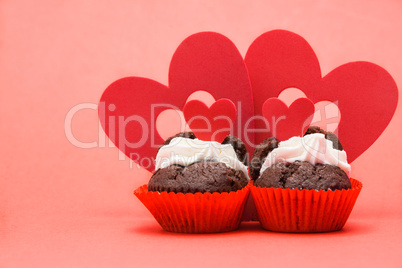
203	175
264	148
304	175
300	174
259	155
238	146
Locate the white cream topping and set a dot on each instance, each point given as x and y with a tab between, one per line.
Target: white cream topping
184	152
313	148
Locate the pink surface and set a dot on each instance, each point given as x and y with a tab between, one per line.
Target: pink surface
63	205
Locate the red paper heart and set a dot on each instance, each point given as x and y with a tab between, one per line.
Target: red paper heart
204	61
210	123
285	122
366	94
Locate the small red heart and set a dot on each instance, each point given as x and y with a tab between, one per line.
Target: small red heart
210	123
285	122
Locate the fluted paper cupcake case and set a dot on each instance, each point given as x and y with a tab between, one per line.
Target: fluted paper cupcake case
195	213
302	211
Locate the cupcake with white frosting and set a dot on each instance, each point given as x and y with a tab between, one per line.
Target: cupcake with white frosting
309	162
301	184
198	186
189	165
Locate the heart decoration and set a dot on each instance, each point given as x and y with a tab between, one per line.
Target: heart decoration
326	113
210	123
129	107
365	93
285	122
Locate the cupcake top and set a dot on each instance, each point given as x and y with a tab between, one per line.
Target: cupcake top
185	164
313	148
186	151
314	161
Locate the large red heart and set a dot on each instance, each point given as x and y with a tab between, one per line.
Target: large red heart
205	61
365	93
285	122
210	123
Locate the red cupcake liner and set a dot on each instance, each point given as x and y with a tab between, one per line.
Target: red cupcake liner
195	213
304	211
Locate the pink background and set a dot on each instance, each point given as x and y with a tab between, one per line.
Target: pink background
63	206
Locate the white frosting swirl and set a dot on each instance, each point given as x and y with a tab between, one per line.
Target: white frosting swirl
313	148
185	151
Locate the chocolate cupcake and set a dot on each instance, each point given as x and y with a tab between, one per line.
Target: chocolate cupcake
304	175
204	176
315	161
185	164
269	144
303	184
198	186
